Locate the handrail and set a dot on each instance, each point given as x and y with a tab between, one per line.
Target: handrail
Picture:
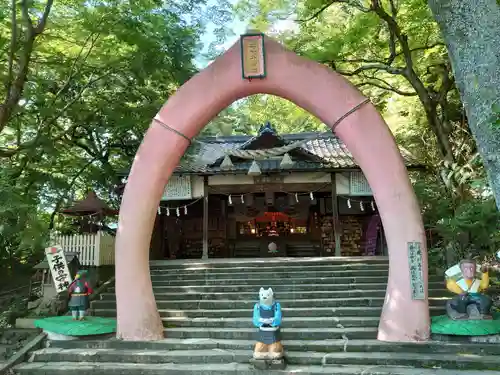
27	286
102	289
21	355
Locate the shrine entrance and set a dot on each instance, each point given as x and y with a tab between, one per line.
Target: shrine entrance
272	69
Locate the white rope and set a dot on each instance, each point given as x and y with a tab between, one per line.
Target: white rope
260	154
266	153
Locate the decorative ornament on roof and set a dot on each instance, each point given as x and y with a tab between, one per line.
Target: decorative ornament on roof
286	162
227	164
254	169
267	128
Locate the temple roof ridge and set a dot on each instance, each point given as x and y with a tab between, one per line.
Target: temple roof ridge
320	151
244	138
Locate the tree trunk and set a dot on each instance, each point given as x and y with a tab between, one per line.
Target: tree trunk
471	30
439	130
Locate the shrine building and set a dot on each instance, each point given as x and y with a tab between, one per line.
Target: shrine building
294	195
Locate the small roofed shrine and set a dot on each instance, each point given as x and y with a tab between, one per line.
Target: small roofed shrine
90	213
268	195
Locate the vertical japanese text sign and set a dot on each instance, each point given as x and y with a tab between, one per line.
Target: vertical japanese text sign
253	56
58	267
416	270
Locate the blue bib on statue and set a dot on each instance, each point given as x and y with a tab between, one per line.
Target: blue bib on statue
267	337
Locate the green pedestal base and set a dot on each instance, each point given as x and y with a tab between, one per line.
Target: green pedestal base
443	325
65	325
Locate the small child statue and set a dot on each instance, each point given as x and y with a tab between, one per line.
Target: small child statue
268	352
79	292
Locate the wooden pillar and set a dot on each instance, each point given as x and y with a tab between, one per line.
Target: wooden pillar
163	244
205	218
335	215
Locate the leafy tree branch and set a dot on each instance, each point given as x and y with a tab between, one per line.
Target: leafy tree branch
15	82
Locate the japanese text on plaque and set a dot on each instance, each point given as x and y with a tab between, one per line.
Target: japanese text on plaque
253	64
416	271
58	267
178	188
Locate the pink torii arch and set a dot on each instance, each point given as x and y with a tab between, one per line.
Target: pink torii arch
323	93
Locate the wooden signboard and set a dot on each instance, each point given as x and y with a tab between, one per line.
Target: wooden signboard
178	188
58	267
358	184
416	270
268	179
253	59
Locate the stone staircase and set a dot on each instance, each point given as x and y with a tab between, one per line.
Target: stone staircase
331	308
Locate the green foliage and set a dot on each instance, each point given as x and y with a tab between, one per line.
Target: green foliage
80	87
496	117
90	82
466	225
478	220
21	225
248	115
392	51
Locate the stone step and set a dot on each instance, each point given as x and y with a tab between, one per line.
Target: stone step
266	262
320	294
273	281
281	288
307	322
249	304
420	360
120	368
286	333
283	275
287	312
250	268
217	356
326	346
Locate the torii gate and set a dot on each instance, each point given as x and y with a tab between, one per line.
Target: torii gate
325	94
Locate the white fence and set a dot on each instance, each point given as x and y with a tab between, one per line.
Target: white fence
93	249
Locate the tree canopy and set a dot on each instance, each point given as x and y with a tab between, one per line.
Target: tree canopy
394	52
81	81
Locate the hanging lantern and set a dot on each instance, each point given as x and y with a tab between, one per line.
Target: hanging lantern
286	162
227	164
254	169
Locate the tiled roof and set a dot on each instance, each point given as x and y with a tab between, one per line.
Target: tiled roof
330	150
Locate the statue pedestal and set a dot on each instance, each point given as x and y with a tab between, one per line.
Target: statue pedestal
443	328
60	328
268	364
